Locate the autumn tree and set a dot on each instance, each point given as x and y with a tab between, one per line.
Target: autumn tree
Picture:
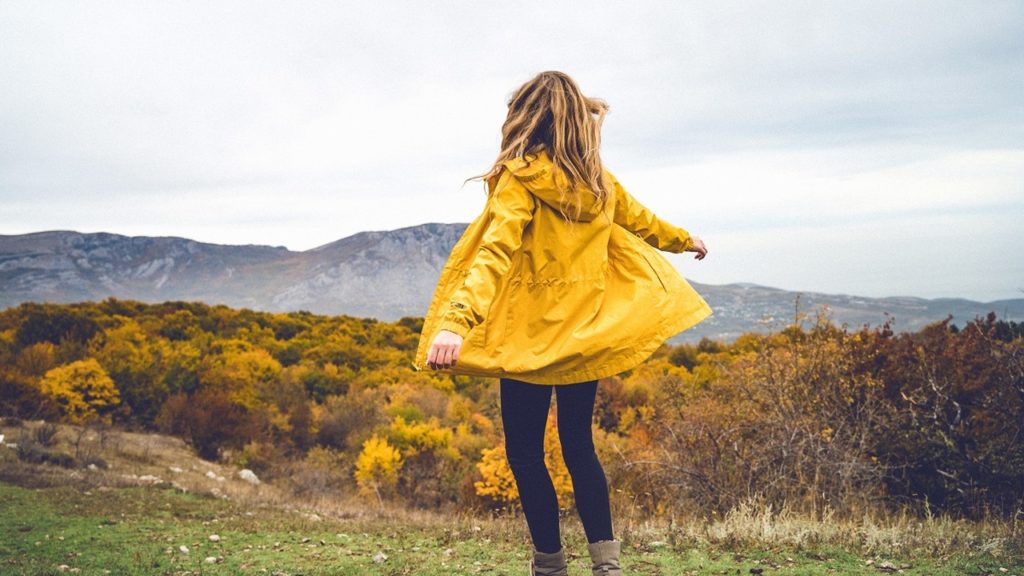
377	468
54	324
23	399
134	361
83	391
209	420
246	372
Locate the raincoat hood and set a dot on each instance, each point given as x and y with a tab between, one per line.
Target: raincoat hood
538	174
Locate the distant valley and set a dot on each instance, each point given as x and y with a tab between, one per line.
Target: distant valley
384	274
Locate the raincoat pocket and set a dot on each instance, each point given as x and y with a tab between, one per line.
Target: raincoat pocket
501	314
654	270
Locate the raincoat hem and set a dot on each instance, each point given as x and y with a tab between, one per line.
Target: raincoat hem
679	324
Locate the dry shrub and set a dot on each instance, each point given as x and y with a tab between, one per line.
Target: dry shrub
267	459
45	434
957	440
32	452
785	419
827	419
321	473
209	420
346	420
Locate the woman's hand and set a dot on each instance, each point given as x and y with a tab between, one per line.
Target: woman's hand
444	351
698	247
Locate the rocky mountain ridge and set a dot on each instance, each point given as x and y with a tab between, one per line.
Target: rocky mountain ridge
380	274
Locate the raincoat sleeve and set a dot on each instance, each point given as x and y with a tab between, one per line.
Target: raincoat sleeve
635	217
510	208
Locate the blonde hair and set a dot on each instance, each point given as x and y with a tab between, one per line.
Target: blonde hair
550	113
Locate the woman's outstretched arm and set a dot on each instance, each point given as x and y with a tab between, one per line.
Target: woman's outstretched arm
510	207
638	219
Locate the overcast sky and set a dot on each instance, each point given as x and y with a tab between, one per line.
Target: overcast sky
870	147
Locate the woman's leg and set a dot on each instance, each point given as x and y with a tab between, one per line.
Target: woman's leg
590	487
524	415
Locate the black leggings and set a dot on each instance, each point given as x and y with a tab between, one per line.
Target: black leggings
524	414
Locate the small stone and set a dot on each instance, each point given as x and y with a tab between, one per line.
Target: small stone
305	540
249	476
210	560
214	538
183	549
380	557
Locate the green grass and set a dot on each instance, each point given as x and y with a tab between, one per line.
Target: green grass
138	530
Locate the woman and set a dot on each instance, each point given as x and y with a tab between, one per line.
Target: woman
555	285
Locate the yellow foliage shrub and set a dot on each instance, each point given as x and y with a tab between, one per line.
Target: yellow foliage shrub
247	373
377	466
83	390
414	437
499	484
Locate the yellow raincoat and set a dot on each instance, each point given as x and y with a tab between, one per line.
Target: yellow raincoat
544	300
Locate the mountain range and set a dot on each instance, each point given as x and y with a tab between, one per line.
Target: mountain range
380	274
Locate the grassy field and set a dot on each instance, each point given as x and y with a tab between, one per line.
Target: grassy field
147	530
56	521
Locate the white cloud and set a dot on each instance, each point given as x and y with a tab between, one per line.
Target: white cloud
299	123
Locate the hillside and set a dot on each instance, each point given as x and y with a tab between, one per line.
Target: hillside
381	274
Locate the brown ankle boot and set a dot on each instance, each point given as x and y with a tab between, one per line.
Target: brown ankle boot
605	558
548	564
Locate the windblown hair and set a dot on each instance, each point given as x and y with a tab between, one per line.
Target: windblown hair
550	113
